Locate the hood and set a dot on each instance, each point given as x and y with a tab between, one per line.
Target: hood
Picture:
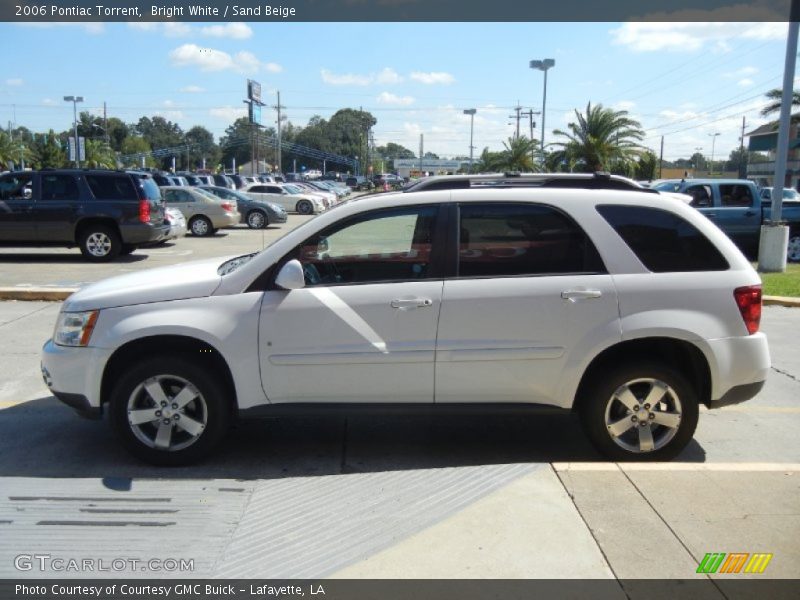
195	279
678	196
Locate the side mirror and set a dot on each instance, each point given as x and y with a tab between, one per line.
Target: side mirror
291	276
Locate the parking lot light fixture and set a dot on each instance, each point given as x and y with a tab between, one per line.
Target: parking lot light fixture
75	100
713	141
471	112
543	65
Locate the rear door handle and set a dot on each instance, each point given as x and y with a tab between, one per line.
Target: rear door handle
575	295
405	303
711	215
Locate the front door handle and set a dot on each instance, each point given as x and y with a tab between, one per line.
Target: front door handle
406	303
575	295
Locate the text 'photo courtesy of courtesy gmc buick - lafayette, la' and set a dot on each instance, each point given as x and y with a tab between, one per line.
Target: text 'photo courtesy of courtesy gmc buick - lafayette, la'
584	293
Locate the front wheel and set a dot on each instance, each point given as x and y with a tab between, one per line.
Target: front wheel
793	250
641	412
257	220
304	207
169	411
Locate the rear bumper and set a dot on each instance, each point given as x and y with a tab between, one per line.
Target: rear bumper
143	233
738	394
742	367
227	220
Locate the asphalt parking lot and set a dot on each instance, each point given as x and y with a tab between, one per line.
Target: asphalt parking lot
379	497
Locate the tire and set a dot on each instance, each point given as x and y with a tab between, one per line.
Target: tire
99	243
609	399
793	250
257	219
304	207
206	408
200	226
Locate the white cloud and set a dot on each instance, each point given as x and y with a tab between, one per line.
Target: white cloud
228	113
388	76
692	36
272	67
209	59
392	99
236	31
192	89
624	105
433	77
345	79
14	82
746	82
174	29
49	102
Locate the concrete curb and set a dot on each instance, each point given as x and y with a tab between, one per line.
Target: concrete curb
59	294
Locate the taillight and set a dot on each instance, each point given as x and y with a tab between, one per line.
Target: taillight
748	299
144	211
227	206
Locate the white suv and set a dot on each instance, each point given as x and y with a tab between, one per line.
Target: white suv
628	307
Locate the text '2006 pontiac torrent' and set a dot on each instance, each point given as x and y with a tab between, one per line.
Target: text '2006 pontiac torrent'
628	307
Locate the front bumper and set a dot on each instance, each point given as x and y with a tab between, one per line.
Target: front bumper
74	375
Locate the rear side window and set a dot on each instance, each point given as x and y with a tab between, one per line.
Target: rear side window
736	195
111	187
59	187
150	188
663	241
506	240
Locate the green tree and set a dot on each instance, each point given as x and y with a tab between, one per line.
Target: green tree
601	139
14	151
237	142
160	133
50	151
202	146
647	166
134	145
775	98
99	155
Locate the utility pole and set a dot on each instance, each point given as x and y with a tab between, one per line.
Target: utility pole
279	155
661	159
530	114
742	155
105	123
420	154
516	116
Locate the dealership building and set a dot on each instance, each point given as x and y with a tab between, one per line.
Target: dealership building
413	167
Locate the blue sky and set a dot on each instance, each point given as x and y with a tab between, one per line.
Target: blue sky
681	80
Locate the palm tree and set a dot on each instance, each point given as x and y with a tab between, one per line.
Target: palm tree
13	150
601	139
100	155
776	97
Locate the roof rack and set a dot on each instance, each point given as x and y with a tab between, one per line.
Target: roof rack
593	181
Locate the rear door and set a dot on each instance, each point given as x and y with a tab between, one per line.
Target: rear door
17	206
530	300
58	206
182	200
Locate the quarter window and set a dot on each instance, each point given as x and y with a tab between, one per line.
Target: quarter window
506	240
663	241
106	187
394	245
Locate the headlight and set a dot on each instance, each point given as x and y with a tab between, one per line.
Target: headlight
75	328
276	208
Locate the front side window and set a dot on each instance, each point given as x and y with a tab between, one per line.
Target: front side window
393	245
59	187
16	186
507	240
663	241
701	195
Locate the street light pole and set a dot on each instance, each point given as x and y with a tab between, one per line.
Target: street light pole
471	112
75	100
698	150
543	65
713	141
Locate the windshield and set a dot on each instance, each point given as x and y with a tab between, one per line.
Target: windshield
667	186
292	189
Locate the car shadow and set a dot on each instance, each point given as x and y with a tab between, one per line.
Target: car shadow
61	259
43	438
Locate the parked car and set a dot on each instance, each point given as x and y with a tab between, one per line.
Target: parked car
191	178
305	187
627	307
239	181
104	213
359	183
204	212
305	204
736	207
206	179
389	179
340	191
224	181
177	223
258	214
789	195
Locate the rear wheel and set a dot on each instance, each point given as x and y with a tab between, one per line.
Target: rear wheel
169	411
257	220
99	243
304	207
793	250
200	226
641	412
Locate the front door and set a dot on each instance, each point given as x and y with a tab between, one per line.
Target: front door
17	220
363	329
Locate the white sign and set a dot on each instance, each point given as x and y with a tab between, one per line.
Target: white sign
82	148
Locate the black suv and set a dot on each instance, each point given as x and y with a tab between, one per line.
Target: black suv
104	213
358	183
